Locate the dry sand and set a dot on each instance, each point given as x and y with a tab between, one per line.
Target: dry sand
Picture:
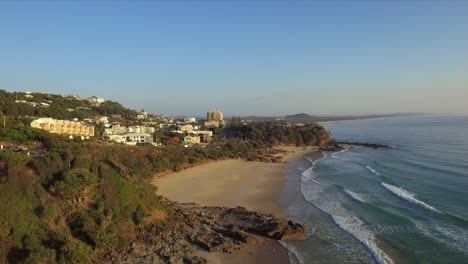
254	185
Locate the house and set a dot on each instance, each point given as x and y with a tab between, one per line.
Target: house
190	120
192	140
141	129
134	138
96	100
186	128
117	129
173	140
142	115
205	136
102	119
45	104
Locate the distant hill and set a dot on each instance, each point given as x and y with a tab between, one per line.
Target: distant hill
304	117
300	116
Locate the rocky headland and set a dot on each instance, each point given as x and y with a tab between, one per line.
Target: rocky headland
197	228
367	145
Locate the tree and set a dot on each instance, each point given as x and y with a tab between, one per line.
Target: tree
235	122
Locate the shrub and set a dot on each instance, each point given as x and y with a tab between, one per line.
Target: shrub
75	251
139	214
75	183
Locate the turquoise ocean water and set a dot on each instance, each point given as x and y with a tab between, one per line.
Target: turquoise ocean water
403	205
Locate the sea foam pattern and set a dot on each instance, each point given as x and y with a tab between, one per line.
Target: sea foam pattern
356	196
316	193
335	156
452	236
355	227
405	195
294	256
373	171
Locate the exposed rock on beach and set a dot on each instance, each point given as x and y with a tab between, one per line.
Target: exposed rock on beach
213	229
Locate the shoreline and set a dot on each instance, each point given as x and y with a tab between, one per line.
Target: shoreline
254	185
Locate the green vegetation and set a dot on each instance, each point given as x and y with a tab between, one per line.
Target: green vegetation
61	107
78	199
268	134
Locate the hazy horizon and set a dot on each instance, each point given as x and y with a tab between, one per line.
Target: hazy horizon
263	58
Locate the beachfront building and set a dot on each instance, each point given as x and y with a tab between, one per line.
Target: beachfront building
63	127
192	140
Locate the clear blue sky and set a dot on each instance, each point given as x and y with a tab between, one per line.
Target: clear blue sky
263	58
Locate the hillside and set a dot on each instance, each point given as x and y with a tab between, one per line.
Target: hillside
21	104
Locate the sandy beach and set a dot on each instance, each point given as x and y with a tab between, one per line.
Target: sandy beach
254	185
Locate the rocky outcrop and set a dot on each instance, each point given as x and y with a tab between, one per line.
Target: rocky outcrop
213	229
367	145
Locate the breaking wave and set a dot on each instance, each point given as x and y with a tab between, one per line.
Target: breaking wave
317	194
356	228
405	195
373	171
356	196
334	154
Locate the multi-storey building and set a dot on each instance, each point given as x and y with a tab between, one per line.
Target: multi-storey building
64	127
214	118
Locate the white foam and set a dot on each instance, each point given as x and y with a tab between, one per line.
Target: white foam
356	196
308	173
452	236
406	195
293	254
373	171
317	194
356	228
334	154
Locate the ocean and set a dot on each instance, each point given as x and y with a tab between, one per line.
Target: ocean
408	204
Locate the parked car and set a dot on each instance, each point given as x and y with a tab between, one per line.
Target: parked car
19	148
